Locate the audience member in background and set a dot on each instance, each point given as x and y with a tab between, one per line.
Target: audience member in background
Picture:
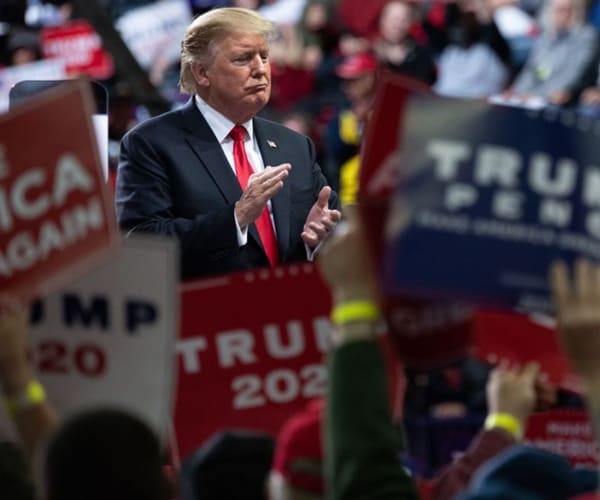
239	192
23	47
230	465
33	416
531	473
576	295
475	60
319	32
558	66
105	454
344	133
363	445
297	469
396	49
98	454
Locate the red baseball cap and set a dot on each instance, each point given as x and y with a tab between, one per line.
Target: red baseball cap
357	65
298	439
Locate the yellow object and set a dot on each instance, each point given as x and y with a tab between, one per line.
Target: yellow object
349	180
356	310
504	421
32	395
349	131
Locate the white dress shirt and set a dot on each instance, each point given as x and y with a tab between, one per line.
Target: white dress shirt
221	126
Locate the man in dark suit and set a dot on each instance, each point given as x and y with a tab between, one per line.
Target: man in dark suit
180	173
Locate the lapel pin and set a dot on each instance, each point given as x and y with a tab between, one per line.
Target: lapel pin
271	144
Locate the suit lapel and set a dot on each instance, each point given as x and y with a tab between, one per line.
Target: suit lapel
208	150
201	139
273	155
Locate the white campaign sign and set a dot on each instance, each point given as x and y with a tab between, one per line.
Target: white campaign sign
108	339
154	32
47	69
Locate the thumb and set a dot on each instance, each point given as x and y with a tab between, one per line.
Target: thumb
323	198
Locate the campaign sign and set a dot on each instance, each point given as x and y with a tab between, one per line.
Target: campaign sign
46	69
80	47
519	339
108	338
567	433
488	197
426	333
56	213
252	350
154	32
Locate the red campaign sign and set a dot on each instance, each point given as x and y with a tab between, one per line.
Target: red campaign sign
519	339
426	333
568	433
56	214
81	48
251	351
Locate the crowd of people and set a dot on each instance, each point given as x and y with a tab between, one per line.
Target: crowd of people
259	168
326	56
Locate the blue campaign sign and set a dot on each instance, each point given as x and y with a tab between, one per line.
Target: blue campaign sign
488	197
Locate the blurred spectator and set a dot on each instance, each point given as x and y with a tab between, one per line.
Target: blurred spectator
32	414
475	59
98	454
344	132
246	4
23	47
231	465
293	78
16	480
105	454
298	122
363	446
523	472
297	470
396	49
561	56
461	384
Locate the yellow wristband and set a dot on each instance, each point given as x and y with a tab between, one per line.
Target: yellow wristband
32	395
504	421
356	310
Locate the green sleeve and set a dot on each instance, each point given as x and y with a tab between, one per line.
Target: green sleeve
362	444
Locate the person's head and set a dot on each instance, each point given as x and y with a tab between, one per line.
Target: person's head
359	76
105	453
225	60
395	20
297	121
296	473
563	15
229	465
23	47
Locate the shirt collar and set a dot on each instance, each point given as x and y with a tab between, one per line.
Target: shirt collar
219	123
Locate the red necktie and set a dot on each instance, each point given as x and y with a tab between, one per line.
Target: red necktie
244	170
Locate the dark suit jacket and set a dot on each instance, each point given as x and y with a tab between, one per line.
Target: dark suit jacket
173	179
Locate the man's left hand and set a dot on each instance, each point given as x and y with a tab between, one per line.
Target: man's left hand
320	220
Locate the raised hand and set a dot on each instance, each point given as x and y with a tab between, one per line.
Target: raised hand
577	301
320	220
513	391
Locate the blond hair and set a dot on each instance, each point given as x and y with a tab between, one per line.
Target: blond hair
202	35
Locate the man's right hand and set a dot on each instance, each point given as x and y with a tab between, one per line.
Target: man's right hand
262	186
